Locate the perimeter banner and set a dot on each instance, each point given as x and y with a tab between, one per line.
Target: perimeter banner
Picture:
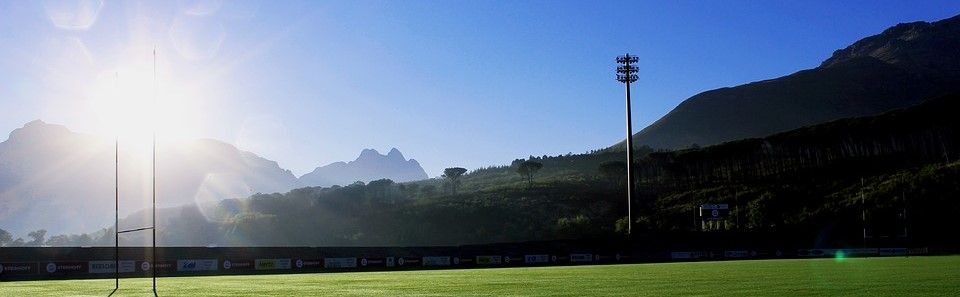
436	261
489	260
339	262
197	265
126	266
13	268
65	267
235	265
272	264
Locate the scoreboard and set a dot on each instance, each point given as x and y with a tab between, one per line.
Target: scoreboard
714	212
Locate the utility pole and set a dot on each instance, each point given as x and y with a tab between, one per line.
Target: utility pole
627	73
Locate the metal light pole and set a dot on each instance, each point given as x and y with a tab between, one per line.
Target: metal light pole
626	73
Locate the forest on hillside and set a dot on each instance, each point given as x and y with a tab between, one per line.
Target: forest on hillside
896	175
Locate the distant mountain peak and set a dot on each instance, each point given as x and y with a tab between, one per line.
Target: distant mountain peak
395	154
369	154
906	44
370	165
34	123
39	128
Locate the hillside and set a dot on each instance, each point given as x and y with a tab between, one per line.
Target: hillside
812	183
897	68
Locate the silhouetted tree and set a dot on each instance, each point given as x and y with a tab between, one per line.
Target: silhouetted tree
81	240
575	227
428	190
453	175
614	171
409	190
527	169
5	237
38	237
59	240
380	188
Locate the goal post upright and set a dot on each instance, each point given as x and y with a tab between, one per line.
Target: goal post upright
153	206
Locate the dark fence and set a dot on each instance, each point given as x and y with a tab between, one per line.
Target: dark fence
29	263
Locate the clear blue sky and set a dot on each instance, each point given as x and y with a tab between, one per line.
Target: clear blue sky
450	83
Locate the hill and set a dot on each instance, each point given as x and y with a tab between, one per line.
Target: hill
897	68
813	183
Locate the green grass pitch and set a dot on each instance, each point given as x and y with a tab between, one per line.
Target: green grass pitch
896	276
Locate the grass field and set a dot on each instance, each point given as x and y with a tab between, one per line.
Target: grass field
920	276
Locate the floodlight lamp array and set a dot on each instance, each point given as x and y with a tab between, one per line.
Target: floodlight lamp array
626	78
627	59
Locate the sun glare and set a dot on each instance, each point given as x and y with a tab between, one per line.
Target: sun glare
131	103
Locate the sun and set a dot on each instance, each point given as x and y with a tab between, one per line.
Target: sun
135	102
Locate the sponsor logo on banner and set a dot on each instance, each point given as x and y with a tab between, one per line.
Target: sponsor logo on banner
272	264
18	268
400	261
197	265
506	259
687	255
735	254
308	263
893	251
436	261
66	267
863	252
237	264
456	260
581	257
391	262
340	262
373	262
163	266
533	259
489	260
110	266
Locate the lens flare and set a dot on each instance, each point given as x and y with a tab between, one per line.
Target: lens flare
840	256
73	14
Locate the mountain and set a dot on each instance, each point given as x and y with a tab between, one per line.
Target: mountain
62	181
370	165
897	68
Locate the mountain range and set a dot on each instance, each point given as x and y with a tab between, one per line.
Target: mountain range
897	68
63	181
370	165
53	178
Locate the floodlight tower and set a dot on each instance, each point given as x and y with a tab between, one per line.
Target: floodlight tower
627	73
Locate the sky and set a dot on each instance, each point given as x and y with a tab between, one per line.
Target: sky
449	83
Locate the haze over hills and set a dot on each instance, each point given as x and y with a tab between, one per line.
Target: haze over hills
897	68
370	165
53	178
62	181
